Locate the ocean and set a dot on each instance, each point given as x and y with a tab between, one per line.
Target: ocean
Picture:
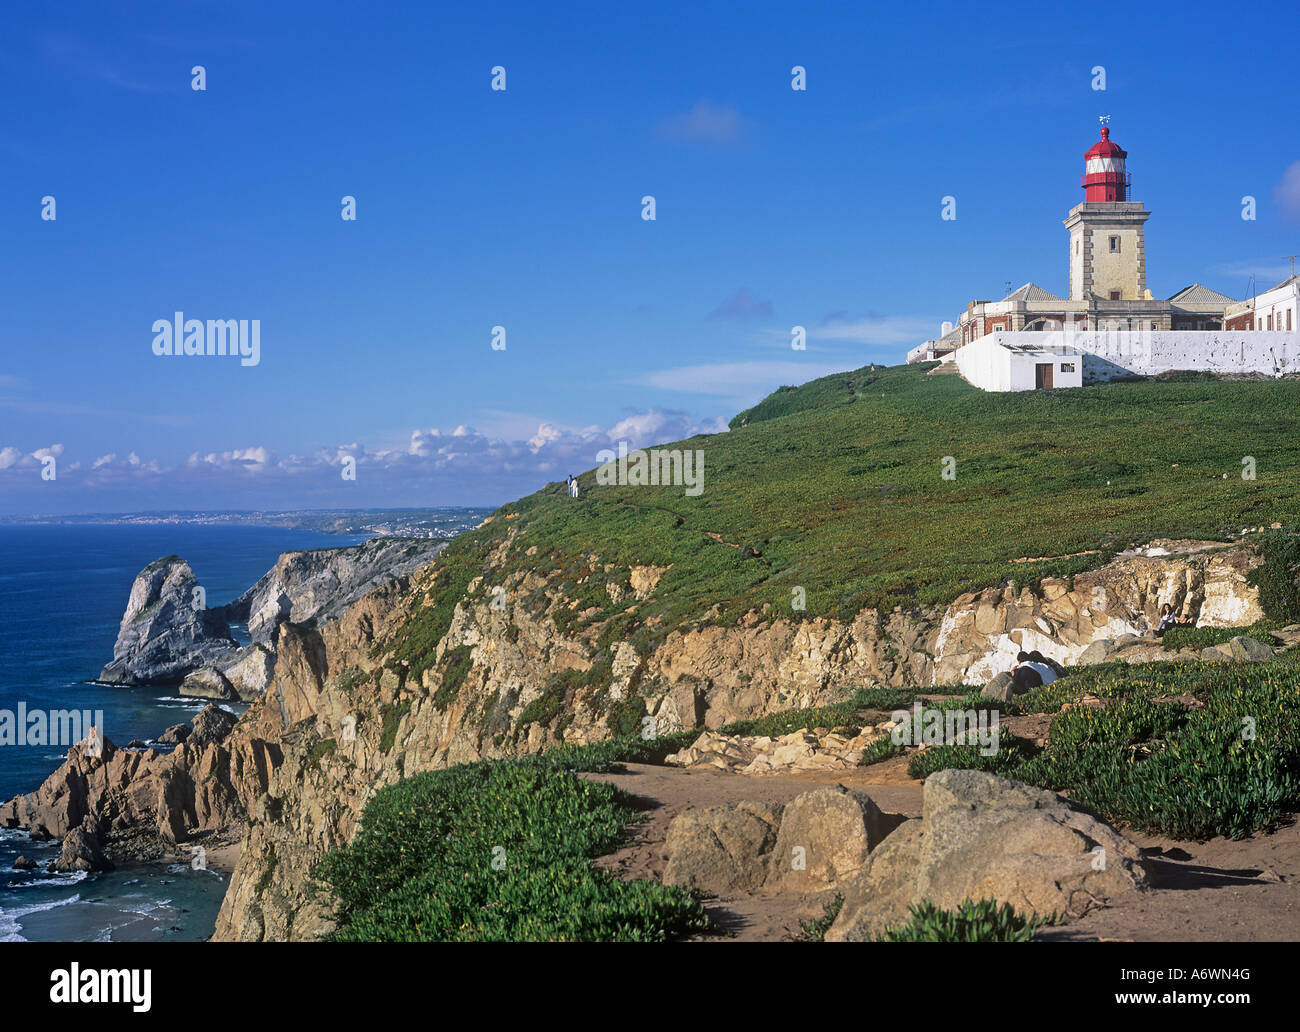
63	589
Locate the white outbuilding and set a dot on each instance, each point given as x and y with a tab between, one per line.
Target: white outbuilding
993	363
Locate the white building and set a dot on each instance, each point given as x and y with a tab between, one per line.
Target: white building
999	362
1277	308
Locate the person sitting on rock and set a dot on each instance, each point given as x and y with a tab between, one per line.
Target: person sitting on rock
1027	673
1168	619
1038	657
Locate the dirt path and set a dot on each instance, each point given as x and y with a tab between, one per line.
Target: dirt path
1214	891
667	791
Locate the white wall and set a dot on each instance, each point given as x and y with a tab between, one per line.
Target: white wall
985	364
1148	352
993	368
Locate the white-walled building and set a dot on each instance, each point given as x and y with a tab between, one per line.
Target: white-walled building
1111	317
1277	308
997	362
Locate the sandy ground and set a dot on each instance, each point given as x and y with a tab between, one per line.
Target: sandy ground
1213	891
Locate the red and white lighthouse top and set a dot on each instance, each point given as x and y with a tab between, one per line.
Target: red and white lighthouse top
1104	177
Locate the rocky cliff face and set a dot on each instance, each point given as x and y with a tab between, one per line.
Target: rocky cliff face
321	583
508	680
169	636
167	630
518	670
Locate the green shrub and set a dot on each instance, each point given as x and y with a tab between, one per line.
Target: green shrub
982	921
497	851
784	722
1203	637
1010	754
881	749
1275	578
325	747
392	716
815	930
456	666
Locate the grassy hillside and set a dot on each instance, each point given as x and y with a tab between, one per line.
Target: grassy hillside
836	487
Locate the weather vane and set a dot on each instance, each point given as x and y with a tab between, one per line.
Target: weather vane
1104	119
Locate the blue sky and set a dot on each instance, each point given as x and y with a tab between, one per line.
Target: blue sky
522	208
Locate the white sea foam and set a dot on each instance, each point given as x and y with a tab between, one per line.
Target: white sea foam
54	881
10	928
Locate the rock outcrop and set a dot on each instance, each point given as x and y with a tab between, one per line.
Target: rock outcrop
170	637
981	632
81	852
521	668
321	583
167	630
196	787
982	836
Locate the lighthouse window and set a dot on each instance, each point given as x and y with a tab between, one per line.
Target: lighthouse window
1114	243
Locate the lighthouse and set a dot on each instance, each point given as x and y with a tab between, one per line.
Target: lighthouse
1104	177
1107	235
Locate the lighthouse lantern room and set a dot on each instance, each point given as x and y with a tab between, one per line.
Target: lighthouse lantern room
1104	176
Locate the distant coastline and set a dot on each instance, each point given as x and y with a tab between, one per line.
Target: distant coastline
430	522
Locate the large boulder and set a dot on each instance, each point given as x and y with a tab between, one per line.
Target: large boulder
1249	650
211	726
207	683
167	631
1099	651
81	852
984	836
825	836
721	849
1000	688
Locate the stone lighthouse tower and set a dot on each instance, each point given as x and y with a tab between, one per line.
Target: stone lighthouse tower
1107	240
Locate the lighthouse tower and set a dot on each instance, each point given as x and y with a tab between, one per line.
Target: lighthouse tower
1107	238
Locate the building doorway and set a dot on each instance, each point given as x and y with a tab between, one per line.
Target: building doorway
1042	375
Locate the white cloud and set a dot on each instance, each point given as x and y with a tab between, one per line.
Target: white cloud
705	123
1287	193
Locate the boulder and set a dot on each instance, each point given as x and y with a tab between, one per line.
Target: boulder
249	672
81	852
174	735
24	863
212	726
984	836
1248	650
1000	687
1098	652
721	849
825	836
207	683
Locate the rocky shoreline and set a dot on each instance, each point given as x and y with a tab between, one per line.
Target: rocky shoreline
332	717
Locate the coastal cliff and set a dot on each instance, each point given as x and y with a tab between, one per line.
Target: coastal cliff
510	680
354	705
170	636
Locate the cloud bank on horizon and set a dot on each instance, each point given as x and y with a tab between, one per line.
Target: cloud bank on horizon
460	466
